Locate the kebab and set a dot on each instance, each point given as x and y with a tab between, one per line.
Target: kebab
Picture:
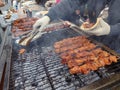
94	65
85	58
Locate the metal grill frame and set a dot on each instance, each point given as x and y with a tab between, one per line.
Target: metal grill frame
5	59
77	76
109	81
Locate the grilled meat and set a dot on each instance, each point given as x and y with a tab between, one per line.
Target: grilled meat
87	25
93	65
68	42
82	56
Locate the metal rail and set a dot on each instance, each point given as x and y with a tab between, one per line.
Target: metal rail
5	59
2	57
54	71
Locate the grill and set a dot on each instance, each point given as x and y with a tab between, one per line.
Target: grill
40	68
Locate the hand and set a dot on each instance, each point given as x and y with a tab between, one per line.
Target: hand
49	3
100	28
1	3
39	25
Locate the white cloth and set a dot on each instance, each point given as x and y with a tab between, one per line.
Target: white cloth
102	28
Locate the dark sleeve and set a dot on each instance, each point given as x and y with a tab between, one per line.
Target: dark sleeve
64	9
94	9
115	29
114	17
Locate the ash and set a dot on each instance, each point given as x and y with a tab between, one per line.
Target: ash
40	67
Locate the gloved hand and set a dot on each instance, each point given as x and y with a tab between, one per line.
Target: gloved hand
49	3
100	28
40	25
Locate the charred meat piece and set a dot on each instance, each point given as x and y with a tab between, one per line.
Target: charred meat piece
69	41
93	65
84	69
87	25
82	56
113	58
75	70
71	63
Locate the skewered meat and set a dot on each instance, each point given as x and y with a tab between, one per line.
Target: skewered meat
113	58
88	25
71	63
94	65
23	24
82	56
106	60
76	62
26	24
67	42
82	69
21	51
80	46
75	70
76	55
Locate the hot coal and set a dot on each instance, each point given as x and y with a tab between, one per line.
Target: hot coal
42	68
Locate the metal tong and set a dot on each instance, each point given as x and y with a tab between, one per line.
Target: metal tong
25	40
77	28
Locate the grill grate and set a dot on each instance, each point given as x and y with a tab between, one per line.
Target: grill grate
44	71
28	72
40	68
60	74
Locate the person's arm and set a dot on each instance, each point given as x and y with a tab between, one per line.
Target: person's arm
64	9
94	8
103	28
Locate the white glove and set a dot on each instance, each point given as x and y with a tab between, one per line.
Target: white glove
40	25
100	28
49	3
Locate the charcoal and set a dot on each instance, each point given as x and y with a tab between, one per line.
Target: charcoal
34	84
27	88
68	79
41	67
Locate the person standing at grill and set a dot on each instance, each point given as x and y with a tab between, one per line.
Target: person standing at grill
70	10
108	32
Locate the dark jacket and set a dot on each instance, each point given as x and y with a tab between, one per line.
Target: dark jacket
66	10
113	39
41	2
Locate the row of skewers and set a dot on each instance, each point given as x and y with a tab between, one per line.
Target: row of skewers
82	56
24	25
